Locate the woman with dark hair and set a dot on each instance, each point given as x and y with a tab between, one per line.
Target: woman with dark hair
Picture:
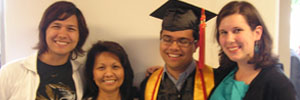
108	73
249	70
52	73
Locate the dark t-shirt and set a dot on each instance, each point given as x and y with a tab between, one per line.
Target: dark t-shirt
56	82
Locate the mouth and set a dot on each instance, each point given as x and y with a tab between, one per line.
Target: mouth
233	48
62	43
174	56
111	81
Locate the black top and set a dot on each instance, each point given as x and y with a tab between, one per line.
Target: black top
269	84
56	82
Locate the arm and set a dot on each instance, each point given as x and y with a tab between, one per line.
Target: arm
283	87
4	84
286	91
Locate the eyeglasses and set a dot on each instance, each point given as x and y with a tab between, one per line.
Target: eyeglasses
182	42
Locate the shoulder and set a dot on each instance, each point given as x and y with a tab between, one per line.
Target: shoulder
274	82
15	71
15	65
29	61
274	74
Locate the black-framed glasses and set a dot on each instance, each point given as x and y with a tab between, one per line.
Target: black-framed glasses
182	42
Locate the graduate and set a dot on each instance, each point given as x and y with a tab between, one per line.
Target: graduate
182	77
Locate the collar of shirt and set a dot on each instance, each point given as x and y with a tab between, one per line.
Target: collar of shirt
182	76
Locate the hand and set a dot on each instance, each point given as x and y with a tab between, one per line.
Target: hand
152	69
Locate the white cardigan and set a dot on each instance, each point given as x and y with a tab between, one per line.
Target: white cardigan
19	79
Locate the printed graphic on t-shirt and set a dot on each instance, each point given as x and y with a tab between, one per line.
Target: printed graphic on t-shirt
57	92
56	82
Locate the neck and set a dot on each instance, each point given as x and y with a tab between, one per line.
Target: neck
52	59
246	73
102	95
175	72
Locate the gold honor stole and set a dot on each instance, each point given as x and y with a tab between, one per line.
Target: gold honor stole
203	84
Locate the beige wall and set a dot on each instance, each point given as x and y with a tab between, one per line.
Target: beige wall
125	21
284	34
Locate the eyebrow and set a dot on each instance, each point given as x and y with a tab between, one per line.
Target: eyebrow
73	26
222	30
166	35
69	25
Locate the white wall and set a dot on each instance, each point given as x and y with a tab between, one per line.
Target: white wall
125	21
1	30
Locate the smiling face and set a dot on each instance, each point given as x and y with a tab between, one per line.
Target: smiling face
108	72
62	36
176	57
237	39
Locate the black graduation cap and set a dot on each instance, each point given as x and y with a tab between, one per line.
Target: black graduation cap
178	15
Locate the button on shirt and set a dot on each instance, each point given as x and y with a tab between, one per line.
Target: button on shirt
182	76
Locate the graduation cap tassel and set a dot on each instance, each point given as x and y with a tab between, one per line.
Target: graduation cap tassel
201	45
201	42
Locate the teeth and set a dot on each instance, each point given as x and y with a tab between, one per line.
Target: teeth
61	43
109	81
172	55
232	49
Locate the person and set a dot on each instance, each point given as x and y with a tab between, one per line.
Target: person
51	73
180	78
295	68
108	73
248	69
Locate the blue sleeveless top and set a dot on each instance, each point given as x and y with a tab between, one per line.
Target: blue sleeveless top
230	89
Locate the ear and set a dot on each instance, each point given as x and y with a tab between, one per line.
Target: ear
258	31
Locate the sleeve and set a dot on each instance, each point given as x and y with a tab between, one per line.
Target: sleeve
284	89
5	78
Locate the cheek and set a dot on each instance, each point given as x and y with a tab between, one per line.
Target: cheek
221	41
161	48
121	75
189	50
189	53
75	36
97	75
48	34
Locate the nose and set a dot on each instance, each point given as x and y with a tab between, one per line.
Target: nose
109	72
174	45
230	38
62	33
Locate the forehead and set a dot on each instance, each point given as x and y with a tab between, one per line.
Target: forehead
234	20
178	34
105	55
72	20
